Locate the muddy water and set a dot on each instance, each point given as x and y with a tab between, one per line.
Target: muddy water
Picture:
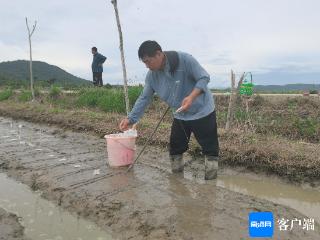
43	220
304	200
146	203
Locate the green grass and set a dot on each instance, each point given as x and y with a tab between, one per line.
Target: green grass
25	96
55	92
108	100
307	128
113	101
56	110
295	118
5	94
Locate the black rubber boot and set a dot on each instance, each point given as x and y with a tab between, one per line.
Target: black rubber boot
177	165
211	167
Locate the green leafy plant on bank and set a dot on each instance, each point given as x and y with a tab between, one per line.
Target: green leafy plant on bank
5	94
25	96
109	100
307	127
55	92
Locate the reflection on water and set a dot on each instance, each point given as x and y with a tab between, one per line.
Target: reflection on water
43	220
306	201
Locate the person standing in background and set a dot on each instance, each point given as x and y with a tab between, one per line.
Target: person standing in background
96	66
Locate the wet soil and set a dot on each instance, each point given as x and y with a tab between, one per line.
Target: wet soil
10	228
146	203
42	219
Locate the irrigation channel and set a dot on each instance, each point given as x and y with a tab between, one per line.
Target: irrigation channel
60	186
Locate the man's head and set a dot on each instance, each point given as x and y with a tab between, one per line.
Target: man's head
94	50
151	54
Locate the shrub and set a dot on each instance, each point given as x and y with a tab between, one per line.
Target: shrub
113	101
109	100
25	96
5	94
134	92
55	92
307	128
88	97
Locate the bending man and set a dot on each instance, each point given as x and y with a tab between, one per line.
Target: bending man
180	81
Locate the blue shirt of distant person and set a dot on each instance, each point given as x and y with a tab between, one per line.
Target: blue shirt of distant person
96	66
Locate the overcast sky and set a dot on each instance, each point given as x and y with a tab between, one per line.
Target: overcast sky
277	40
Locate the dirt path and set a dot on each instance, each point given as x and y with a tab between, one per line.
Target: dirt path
10	228
146	203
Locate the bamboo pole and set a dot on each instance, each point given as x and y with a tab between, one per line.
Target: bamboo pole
231	102
30	51
125	82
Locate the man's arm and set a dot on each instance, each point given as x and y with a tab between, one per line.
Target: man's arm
200	76
142	102
139	107
102	59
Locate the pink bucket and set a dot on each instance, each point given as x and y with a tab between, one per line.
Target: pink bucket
121	149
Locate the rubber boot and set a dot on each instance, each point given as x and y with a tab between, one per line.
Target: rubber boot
211	167
177	165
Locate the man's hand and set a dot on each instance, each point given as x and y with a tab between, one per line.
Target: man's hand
187	101
124	124
185	105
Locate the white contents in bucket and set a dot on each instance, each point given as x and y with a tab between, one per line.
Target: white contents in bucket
130	133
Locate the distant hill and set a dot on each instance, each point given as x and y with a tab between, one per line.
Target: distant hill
287	88
17	72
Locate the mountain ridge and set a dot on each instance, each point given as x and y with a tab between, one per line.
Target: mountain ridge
18	72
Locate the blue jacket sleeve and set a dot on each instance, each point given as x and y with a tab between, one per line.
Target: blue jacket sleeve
142	102
102	58
199	74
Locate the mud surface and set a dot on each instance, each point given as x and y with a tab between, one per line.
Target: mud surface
146	203
10	228
42	219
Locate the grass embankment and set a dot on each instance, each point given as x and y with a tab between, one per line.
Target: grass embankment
279	137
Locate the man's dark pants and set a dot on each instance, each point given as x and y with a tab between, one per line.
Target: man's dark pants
204	130
97	79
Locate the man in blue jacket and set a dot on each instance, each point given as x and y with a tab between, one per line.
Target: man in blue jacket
180	81
97	69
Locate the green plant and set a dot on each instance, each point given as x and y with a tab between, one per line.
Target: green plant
241	115
25	96
107	99
5	94
306	127
55	92
112	102
292	104
56	110
134	92
108	86
313	91
37	92
88	97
